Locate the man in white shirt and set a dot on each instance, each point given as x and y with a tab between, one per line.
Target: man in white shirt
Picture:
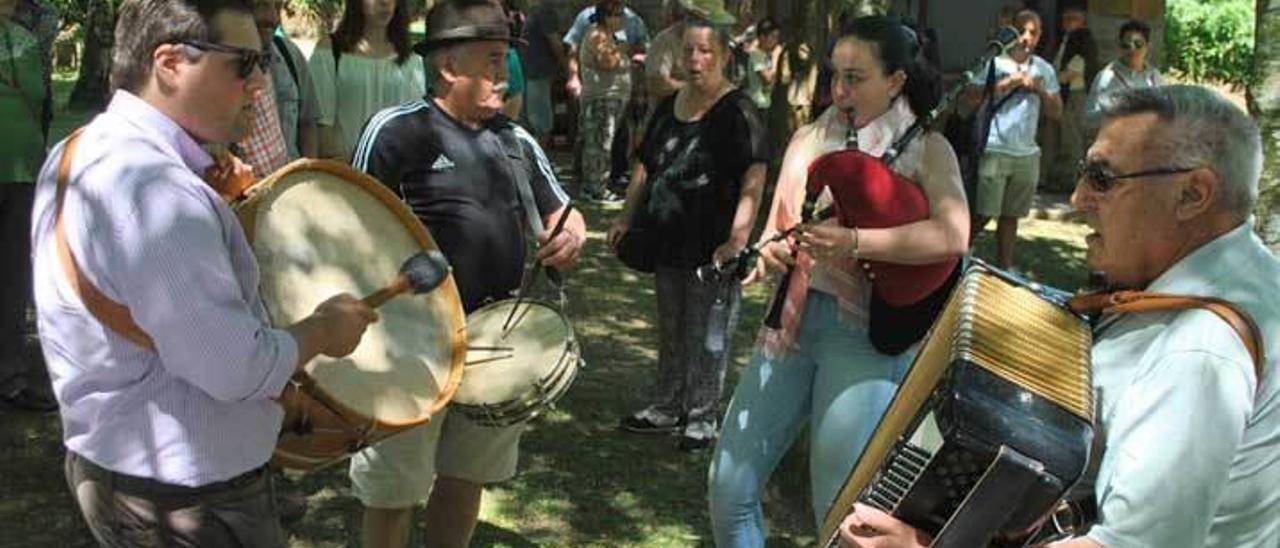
1187	451
1026	87
159	348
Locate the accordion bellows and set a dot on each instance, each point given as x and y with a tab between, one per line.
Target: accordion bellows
992	423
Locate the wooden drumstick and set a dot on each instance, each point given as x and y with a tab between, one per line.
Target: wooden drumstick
419	274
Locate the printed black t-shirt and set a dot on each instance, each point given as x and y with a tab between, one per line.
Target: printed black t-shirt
459	181
695	174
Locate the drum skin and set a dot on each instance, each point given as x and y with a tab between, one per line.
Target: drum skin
514	374
319	228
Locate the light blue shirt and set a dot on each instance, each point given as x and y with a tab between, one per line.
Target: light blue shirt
1191	453
151	235
1013	128
634	33
1114	77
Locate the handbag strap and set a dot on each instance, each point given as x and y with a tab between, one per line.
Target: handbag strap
1143	301
112	314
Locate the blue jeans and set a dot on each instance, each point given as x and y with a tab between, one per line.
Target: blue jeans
836	382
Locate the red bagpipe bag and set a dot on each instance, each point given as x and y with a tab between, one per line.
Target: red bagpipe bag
868	194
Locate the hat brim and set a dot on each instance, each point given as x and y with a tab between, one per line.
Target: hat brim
466	33
425	47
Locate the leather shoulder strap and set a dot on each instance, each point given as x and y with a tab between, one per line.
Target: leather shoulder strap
1142	301
112	314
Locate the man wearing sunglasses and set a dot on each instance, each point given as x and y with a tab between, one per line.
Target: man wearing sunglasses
1187	450
1130	70
162	357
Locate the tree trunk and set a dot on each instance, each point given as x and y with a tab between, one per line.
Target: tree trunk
1264	103
92	88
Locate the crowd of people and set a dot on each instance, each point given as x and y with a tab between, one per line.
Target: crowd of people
159	346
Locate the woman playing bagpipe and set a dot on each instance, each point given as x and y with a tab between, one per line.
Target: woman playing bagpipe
818	364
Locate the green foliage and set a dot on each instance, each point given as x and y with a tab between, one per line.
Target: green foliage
321	9
1211	40
76	12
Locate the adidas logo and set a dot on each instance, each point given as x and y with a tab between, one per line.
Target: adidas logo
443	163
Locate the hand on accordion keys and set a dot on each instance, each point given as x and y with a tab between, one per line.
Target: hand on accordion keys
867	527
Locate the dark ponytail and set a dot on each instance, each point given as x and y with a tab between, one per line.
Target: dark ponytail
900	46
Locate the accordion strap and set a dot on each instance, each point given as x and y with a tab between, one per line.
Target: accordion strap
1142	301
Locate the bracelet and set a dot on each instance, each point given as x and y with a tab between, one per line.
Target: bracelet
853	252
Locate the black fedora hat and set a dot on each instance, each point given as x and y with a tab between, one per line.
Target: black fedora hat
453	21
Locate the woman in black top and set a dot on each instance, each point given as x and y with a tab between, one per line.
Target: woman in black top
698	180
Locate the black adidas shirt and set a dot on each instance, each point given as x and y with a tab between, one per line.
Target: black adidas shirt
458	181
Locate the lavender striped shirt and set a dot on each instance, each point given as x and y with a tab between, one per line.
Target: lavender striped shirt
150	234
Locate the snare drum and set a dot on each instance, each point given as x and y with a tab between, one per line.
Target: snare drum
515	373
320	228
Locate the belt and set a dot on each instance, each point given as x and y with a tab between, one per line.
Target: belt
139	485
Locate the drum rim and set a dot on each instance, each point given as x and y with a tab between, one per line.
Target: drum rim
528	408
246	210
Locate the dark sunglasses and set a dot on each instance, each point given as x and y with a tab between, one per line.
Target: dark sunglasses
1101	180
248	58
1133	44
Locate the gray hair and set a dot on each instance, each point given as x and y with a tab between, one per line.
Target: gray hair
1202	128
435	59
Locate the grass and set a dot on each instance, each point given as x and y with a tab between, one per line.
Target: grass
581	481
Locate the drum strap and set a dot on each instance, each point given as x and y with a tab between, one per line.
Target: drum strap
516	153
112	314
1142	301
518	169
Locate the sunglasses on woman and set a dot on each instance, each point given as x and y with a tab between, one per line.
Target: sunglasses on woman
1100	179
1133	44
248	58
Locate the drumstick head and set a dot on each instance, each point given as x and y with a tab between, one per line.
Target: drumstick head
426	270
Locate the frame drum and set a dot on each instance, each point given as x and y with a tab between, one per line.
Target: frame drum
319	228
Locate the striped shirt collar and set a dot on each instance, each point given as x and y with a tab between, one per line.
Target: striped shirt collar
166	131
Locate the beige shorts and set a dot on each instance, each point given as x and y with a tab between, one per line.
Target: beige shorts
1006	184
399	471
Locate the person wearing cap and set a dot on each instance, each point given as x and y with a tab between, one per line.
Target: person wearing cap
449	156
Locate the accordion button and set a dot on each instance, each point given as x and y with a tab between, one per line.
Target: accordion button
871	275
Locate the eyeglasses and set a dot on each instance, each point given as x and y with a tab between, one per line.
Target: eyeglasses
1133	44
248	58
1101	180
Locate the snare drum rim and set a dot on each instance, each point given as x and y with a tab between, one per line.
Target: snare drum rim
247	210
526	407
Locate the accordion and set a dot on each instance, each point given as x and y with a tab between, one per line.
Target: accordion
992	424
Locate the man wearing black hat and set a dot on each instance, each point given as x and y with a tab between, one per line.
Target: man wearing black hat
459	164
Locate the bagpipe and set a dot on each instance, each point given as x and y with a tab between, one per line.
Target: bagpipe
867	193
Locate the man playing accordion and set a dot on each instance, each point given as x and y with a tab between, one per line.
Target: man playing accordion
1188	452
